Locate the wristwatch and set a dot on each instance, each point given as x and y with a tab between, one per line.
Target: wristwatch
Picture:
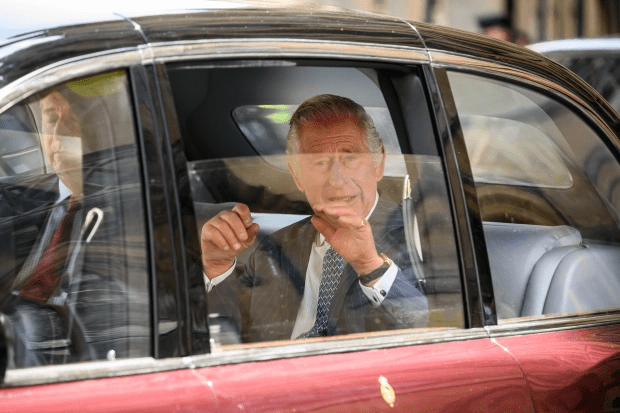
378	273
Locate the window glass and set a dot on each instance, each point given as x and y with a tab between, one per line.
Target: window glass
73	276
235	123
548	192
266	127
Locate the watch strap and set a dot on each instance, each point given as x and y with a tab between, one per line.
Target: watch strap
378	273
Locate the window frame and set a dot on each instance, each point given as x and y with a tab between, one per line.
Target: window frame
340	344
443	62
15	93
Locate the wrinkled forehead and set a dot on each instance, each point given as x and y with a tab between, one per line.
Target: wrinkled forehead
332	135
54	101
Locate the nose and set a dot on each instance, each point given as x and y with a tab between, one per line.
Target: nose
336	177
54	137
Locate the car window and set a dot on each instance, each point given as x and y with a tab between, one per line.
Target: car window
234	121
548	194
73	276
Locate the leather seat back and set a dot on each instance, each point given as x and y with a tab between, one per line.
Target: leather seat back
586	279
514	251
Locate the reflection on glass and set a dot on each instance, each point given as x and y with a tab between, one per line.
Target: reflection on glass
266	127
504	151
548	189
73	281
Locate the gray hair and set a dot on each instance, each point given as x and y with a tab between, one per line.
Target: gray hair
323	107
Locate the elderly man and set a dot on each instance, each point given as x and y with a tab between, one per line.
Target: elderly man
344	270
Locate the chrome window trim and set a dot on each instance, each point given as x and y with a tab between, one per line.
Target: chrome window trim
446	60
551	323
66	70
146	365
262	352
283	48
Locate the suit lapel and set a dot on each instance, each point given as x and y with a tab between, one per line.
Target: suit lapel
297	255
293	262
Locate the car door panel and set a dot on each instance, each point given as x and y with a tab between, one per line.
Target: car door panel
174	391
475	375
571	371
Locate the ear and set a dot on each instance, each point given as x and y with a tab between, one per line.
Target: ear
294	167
379	169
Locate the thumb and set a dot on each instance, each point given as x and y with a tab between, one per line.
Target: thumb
323	227
252	231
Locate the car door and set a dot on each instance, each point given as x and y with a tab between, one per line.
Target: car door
545	176
228	121
77	156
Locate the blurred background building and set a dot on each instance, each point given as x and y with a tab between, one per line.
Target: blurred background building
520	21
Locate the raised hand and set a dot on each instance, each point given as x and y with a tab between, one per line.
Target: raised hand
224	236
349	235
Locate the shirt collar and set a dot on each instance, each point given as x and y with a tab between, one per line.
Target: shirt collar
64	191
320	239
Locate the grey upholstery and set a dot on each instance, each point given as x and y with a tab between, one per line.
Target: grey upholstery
541	277
514	252
587	279
550	270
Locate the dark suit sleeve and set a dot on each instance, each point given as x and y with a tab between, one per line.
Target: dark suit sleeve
405	303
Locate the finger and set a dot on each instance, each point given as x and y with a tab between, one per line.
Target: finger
227	232
252	231
210	234
244	213
234	221
323	227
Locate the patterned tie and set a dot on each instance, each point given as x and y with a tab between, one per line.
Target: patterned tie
46	276
333	266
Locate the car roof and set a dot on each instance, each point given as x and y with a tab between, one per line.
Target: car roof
39	34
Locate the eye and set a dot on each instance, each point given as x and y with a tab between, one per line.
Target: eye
321	163
350	160
51	118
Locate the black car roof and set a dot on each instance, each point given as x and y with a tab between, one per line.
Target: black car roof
37	33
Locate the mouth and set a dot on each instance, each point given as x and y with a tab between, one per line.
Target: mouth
342	198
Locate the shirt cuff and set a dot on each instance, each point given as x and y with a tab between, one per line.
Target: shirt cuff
377	293
209	284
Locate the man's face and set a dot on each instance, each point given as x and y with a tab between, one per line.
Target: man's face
335	167
62	139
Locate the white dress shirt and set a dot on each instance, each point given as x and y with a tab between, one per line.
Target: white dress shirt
64	191
306	315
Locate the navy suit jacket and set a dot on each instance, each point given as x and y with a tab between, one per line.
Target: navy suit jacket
271	286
